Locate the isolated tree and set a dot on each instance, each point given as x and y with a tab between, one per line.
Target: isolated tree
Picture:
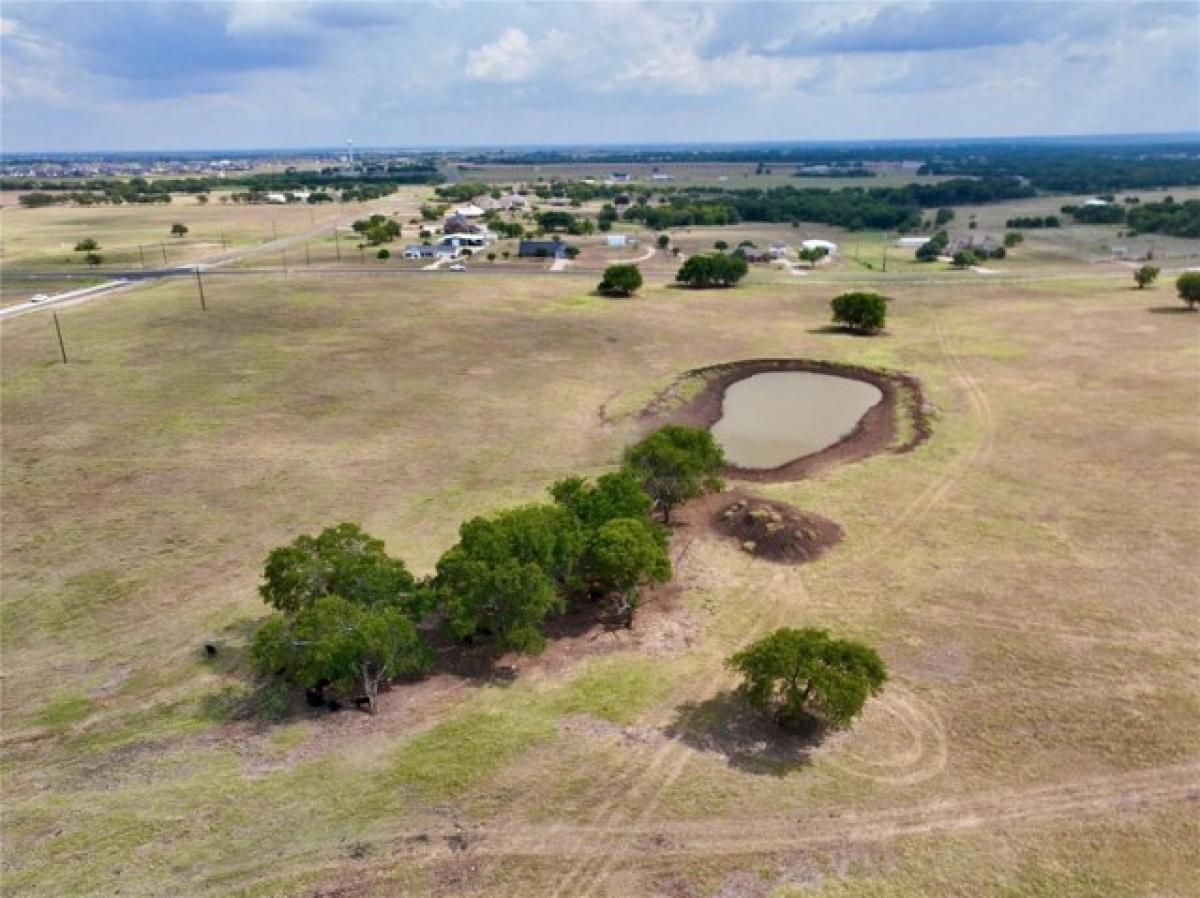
798	674
721	246
571	252
1188	287
663	241
87	245
1145	276
1013	238
506	254
343	642
491	257
341	560
861	312
93	259
675	464
383	255
620	280
712	270
943	216
622	555
964	258
179	229
202	199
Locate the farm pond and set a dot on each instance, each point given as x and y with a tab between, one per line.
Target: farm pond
772	418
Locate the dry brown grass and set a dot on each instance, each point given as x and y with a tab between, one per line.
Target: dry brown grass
1028	575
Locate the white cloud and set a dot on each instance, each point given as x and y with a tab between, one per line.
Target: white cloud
511	57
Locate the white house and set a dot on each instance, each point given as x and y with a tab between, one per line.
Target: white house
617	239
826	245
276	198
912	242
777	250
1095	201
470	210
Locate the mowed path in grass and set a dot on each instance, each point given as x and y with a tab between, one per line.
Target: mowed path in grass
1027	576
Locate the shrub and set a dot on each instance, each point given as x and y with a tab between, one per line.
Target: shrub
863	313
1145	276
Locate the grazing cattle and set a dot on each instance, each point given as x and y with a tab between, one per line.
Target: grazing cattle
333	705
314	697
362	702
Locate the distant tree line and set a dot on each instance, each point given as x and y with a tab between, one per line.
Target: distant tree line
1034	221
1167	217
1080	171
115	191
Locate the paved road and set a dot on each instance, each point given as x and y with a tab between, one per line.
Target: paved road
69	298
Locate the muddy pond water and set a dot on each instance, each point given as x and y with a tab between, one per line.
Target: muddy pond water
770	419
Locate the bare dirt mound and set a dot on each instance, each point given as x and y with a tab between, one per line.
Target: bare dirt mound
775	531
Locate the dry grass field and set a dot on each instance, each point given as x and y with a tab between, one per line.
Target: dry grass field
1029	576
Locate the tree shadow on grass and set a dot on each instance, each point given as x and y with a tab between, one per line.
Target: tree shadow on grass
1172	310
844	331
725	725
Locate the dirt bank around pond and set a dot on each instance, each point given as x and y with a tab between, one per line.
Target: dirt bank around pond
875	432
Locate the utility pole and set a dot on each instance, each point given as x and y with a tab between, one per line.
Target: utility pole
223	245
164	252
200	287
337	242
62	347
885	243
307	258
142	253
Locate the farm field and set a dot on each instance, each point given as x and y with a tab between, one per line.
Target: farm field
1028	575
139	236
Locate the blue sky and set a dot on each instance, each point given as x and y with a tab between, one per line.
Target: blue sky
268	73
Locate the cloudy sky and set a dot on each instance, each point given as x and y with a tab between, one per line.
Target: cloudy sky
178	74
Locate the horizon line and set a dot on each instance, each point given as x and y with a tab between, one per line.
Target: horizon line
1192	136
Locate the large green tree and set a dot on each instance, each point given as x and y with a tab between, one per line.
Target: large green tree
620	280
1188	287
508	601
615	495
712	270
625	553
797	674
861	312
341	560
344	643
675	464
508	573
